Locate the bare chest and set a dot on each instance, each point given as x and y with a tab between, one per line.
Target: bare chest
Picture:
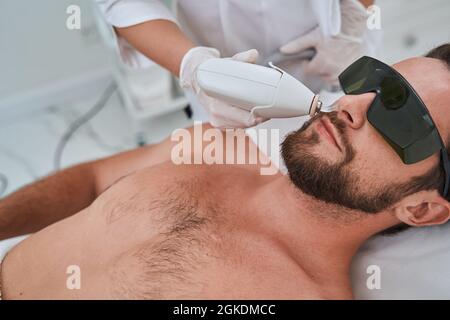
191	242
158	236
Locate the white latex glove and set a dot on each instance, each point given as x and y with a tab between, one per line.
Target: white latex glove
335	53
221	114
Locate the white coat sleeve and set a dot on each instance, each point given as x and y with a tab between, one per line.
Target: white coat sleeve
125	13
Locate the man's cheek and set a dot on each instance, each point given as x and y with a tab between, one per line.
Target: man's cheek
374	144
368	149
376	160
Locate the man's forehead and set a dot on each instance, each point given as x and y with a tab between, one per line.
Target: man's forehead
430	78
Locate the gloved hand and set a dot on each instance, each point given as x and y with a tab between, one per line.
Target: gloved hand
335	53
221	114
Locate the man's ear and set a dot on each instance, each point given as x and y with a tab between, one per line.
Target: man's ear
424	208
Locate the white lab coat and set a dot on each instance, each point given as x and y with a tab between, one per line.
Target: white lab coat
231	26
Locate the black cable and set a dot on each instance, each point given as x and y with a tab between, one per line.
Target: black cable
3	184
107	93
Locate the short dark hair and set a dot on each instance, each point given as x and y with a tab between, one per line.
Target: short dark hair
441	53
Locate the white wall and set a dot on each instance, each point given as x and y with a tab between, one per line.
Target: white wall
413	27
40	59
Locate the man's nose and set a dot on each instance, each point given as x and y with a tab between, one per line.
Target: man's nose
352	109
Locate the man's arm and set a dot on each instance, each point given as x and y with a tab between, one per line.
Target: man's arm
48	200
65	193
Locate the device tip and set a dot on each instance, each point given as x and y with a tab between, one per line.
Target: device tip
329	108
316	105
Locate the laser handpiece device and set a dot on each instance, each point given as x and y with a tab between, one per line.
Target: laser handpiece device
268	92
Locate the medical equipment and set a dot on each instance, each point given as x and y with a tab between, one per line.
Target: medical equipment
279	57
267	92
146	89
107	93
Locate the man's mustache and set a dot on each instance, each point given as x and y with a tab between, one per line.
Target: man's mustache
332	116
341	128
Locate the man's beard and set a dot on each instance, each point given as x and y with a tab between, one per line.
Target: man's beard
333	183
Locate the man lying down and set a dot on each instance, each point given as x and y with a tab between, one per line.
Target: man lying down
140	227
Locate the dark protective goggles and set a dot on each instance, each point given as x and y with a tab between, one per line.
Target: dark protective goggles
397	112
